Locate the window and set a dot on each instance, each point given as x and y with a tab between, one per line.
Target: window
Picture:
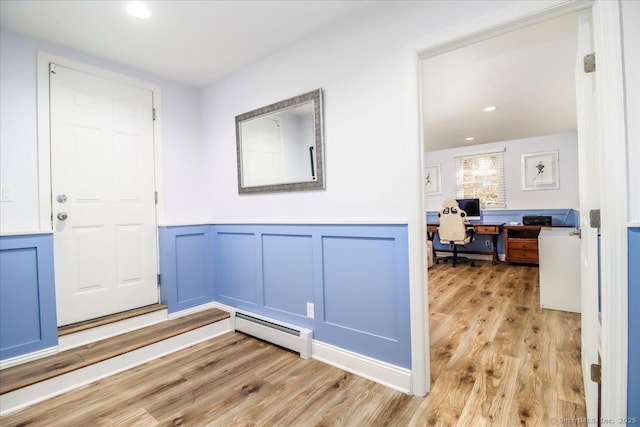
481	175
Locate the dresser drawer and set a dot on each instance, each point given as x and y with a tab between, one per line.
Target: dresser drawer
487	229
518	255
523	244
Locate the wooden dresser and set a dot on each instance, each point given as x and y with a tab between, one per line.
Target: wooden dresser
521	243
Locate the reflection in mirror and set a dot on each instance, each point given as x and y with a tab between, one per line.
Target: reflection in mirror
280	147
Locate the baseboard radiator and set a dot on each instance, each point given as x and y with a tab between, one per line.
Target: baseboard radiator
276	332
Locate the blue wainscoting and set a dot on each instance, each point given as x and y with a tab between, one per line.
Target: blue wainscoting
356	276
287	269
27	295
236	272
633	384
567	217
186	266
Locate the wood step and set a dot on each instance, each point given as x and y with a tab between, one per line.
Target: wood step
46	368
105	320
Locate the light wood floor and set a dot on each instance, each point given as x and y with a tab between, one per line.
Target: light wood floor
79	357
497	359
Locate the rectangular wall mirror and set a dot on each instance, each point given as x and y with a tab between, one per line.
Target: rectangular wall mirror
280	146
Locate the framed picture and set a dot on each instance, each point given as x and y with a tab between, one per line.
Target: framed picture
540	171
432	180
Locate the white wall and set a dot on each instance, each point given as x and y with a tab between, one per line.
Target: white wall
565	197
359	64
18	135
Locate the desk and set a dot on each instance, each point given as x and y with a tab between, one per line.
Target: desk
492	229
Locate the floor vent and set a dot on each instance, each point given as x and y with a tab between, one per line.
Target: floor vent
282	334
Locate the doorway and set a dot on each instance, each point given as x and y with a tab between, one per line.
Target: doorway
99	158
528	76
499	23
607	40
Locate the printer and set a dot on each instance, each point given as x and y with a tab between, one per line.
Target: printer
542	220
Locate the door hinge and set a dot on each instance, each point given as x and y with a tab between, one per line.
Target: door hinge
158	279
156	197
596	373
590	63
153	114
594	218
52	68
577	232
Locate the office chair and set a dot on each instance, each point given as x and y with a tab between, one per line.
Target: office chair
453	231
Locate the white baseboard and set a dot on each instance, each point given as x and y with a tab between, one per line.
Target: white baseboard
35	393
383	373
199	308
98	333
19	360
219	305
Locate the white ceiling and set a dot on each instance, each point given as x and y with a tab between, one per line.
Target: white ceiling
193	42
527	74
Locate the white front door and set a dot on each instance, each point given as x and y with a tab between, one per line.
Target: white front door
103	195
589	179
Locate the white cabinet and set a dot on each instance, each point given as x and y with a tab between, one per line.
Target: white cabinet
559	254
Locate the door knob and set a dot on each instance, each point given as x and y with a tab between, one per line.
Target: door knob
62	216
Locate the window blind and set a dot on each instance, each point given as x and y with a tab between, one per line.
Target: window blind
481	175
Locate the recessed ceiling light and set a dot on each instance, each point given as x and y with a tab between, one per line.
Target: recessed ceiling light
138	10
489	108
470	138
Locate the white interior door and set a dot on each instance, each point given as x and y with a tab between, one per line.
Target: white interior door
589	179
263	152
103	191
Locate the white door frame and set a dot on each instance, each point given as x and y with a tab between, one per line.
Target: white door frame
44	137
607	37
589	172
